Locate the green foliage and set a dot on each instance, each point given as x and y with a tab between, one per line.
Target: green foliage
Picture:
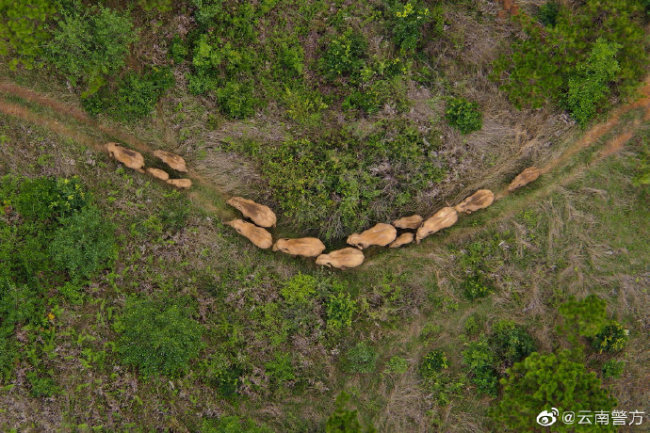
586	317
223	373
612	338
344	56
83	244
236	99
511	342
543	381
473	325
157	338
344	420
232	424
397	365
299	289
23	26
134	97
613	369
340	311
407	20
178	49
589	87
476	286
464	115
46	198
361	358
479	360
162	6
280	369
41	386
574	54
547	13
88	47
432	363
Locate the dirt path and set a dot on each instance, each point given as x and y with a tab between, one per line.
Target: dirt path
206	190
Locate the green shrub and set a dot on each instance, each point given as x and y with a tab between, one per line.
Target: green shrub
476	286
84	243
432	363
89	47
479	360
135	96
590	86
547	13
157	338
360	359
344	56
46	198
291	58
178	49
232	424
340	311
344	420
473	325
162	6
511	342
586	317
407	20
299	289
543	381
280	369
613	369
464	115
612	338
396	364
236	99
221	372
24	30
41	386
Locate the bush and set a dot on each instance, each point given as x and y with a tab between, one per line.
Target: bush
590	86
232	424
547	13
280	370
135	96
479	360
586	317
613	369
340	311
407	20
543	381
84	244
396	364
157	338
24	30
432	363
464	115
344	420
236	99
511	342
344	55
223	373
612	338
299	289
360	359
476	286
87	48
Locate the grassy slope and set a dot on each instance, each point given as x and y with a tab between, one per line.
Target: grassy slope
586	236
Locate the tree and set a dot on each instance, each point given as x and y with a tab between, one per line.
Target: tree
23	29
545	381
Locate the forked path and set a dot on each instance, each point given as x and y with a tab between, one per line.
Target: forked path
207	190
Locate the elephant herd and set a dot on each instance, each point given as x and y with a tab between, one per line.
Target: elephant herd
402	231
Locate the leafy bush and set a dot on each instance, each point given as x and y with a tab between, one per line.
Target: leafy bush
360	359
340	311
613	368
232	424
135	96
344	420
432	363
612	337
396	364
590	86
479	360
547	13
464	115
280	369
178	49
586	317
543	381
299	289
344	55
473	325
83	244
476	286
236	99
23	26
511	342
157	338
223	373
89	47
407	22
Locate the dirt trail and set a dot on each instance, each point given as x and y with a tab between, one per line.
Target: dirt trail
206	188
